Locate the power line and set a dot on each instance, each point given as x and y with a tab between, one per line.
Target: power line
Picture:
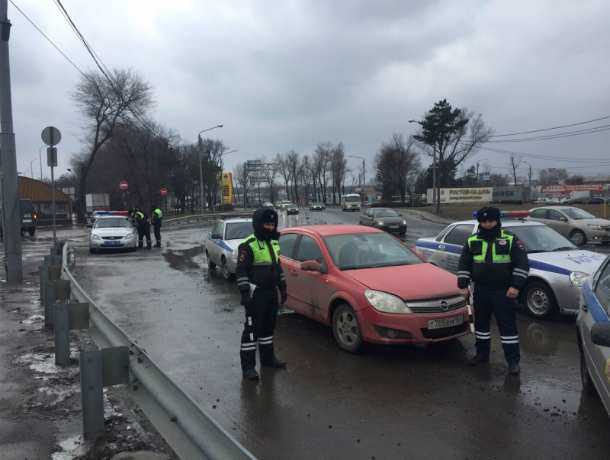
581	132
532	131
542	156
41	32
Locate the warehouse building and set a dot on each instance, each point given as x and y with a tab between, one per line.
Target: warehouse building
40	194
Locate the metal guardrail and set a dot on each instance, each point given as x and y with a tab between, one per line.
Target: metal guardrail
187	428
207	218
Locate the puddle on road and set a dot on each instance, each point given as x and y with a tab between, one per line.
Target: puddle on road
182	260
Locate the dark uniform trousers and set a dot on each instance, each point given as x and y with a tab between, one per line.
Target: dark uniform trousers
143	231
261	313
488	301
157	229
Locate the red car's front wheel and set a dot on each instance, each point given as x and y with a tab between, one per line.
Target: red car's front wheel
346	329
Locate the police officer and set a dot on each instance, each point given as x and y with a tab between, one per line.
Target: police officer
157	217
496	261
143	226
259	277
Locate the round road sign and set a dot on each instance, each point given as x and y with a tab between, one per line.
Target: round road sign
51	136
163	191
123	185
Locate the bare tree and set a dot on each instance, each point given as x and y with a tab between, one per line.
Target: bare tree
515	162
321	159
338	167
240	172
398	166
284	171
106	103
293	163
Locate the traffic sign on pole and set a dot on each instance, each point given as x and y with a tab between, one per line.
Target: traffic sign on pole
123	185
51	136
163	191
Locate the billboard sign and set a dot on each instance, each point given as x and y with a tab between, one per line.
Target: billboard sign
463	195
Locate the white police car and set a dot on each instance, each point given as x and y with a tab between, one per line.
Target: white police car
558	269
112	231
222	242
593	328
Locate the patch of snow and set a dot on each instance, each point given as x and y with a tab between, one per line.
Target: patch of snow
71	448
43	363
56	395
33	319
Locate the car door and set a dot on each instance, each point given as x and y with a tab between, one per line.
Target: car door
597	308
366	218
312	286
288	242
452	246
214	247
559	222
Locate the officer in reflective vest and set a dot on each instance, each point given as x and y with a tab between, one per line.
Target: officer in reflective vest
157	217
496	262
143	227
259	278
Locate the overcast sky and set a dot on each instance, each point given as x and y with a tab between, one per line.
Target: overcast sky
284	75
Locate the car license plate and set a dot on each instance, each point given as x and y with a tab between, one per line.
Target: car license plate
112	243
27	221
393	226
442	323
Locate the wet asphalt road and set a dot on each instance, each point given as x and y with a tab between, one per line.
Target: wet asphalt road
390	402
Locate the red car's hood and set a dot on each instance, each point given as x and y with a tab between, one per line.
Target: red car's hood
409	282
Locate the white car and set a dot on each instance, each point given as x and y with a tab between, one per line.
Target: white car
222	242
112	232
558	269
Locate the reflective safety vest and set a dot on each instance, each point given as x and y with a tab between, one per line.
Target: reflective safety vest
158	213
501	248
262	255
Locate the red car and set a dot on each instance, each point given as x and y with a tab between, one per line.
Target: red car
369	287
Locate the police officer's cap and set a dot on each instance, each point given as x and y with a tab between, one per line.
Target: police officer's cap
488	213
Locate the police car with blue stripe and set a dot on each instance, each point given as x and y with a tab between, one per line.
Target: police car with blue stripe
222	242
558	268
593	326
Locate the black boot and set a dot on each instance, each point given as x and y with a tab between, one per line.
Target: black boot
478	359
514	369
268	358
250	374
158	244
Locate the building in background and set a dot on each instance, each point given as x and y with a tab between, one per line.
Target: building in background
40	194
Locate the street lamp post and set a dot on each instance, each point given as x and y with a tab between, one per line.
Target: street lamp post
200	147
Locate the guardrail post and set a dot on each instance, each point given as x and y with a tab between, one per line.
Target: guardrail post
99	369
57	290
67	317
92	394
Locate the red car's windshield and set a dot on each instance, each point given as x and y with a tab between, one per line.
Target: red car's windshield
368	250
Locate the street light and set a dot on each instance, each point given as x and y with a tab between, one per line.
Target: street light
200	147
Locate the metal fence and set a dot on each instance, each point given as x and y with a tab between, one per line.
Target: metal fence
187	428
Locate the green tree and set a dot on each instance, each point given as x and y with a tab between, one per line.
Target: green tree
450	135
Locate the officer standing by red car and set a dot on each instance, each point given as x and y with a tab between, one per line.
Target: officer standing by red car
496	261
259	278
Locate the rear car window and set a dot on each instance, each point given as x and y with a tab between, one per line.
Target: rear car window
538	214
459	235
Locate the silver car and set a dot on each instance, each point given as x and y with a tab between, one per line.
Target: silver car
112	232
222	242
593	328
558	269
574	223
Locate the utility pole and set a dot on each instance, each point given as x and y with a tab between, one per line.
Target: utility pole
11	214
435	191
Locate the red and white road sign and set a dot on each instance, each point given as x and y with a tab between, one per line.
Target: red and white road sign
123	185
163	191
